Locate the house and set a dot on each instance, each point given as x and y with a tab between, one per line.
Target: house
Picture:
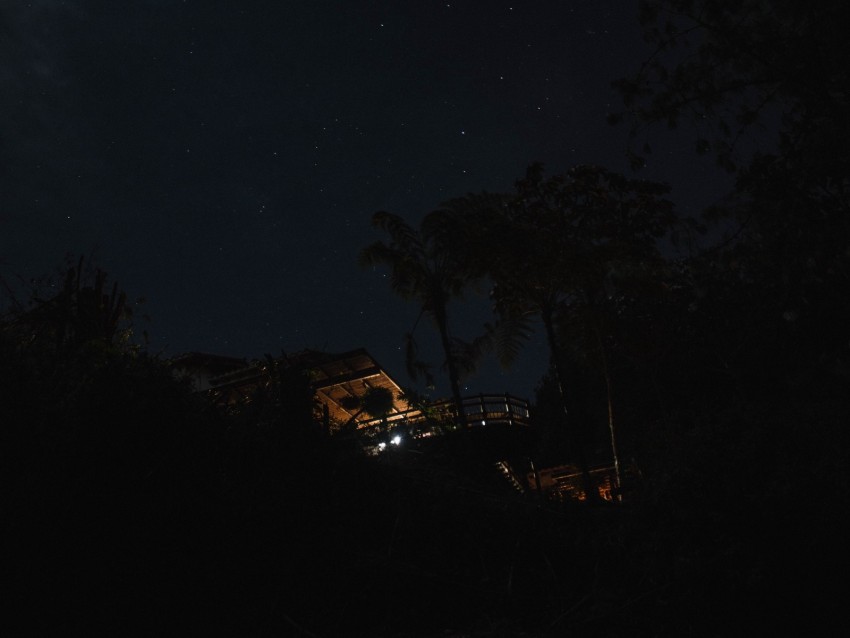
333	377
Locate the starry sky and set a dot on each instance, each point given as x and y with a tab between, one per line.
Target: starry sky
222	159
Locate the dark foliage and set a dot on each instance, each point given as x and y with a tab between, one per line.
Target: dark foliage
750	380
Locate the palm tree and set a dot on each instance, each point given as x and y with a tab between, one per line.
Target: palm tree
421	271
555	250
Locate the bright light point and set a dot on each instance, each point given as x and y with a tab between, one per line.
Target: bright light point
483	422
396	440
382	446
463	132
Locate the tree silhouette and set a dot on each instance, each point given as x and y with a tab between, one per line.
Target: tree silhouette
85	315
757	372
422	272
558	250
765	84
737	69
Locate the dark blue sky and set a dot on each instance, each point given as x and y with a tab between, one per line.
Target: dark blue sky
223	159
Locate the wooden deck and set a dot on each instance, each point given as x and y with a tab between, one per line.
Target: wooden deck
479	410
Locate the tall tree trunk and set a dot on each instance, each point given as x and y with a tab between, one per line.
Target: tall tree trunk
443	327
547	315
606	373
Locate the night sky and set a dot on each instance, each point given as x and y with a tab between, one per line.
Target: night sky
223	159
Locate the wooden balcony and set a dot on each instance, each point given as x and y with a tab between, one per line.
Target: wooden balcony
478	411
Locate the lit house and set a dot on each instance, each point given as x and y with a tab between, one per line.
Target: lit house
333	377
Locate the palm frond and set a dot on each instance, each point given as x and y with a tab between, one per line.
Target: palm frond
406	273
469	354
377	254
416	368
509	335
401	233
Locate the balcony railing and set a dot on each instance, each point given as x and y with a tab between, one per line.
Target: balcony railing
479	410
